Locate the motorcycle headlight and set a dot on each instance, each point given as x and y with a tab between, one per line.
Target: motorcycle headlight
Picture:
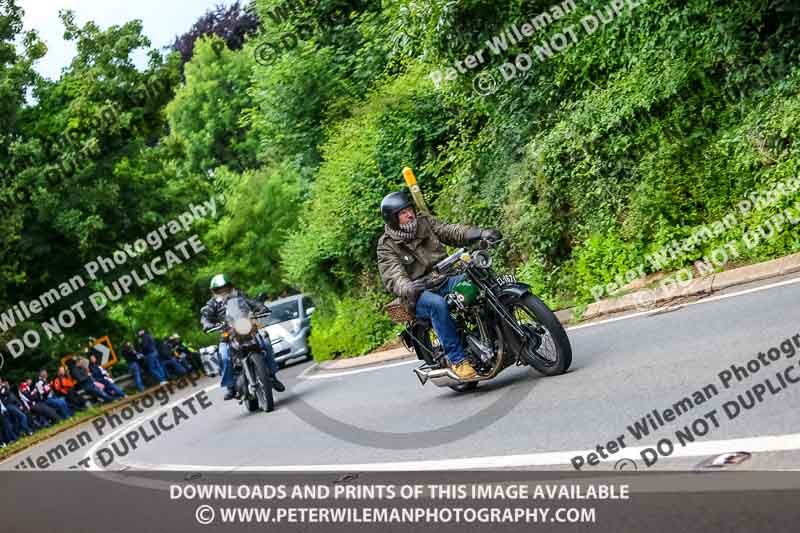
243	326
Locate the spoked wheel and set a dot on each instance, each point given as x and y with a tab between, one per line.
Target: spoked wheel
264	399
547	348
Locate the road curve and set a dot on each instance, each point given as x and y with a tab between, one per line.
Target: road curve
383	419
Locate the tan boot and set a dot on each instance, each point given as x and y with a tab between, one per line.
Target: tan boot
464	370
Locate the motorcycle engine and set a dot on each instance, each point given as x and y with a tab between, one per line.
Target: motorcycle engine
479	350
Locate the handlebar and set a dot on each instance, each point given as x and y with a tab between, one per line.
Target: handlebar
444	265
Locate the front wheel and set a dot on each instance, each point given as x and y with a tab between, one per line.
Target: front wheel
553	355
264	399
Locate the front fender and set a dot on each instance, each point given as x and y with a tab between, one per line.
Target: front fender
516	289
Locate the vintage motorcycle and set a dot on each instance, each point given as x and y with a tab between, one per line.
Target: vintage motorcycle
241	332
500	322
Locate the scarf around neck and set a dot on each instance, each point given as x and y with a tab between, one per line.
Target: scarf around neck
406	232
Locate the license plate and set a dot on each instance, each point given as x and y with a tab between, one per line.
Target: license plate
506	279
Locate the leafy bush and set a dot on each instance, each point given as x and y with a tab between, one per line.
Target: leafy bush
353	326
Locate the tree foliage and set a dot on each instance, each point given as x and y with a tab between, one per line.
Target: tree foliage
232	25
634	135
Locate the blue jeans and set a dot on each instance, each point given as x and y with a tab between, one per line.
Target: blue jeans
19	418
154	366
94	392
432	305
136	370
184	362
113	387
171	366
60	406
227	367
7	434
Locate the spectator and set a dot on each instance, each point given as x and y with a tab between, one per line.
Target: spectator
65	387
168	362
43	392
27	394
7	434
85	382
135	359
101	375
147	345
189	358
14	409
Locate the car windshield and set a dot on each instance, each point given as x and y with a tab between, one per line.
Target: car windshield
281	312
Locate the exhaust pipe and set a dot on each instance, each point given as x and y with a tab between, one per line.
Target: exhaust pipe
441	377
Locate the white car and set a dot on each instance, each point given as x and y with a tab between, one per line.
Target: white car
288	327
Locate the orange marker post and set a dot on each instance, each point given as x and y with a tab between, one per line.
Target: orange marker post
416	192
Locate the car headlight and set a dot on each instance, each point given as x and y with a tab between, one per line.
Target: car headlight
243	326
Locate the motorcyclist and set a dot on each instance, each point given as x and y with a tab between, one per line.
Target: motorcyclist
213	313
412	244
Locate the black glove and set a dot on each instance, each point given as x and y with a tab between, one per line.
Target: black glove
491	235
412	290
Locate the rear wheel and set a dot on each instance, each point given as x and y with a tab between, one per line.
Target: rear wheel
264	399
553	355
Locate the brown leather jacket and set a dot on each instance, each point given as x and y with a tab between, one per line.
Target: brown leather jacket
401	262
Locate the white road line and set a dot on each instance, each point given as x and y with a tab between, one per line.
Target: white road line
688	304
771	443
327	375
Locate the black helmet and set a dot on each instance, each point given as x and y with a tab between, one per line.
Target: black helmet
393	203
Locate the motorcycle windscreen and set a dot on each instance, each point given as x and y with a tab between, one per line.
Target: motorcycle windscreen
237	314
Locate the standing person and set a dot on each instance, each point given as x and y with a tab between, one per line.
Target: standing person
27	393
14	409
213	313
85	382
44	393
134	359
147	345
64	386
101	375
409	248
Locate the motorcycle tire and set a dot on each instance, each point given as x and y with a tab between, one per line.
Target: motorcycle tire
547	319
264	389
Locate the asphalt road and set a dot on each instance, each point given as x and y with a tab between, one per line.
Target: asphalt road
382	418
